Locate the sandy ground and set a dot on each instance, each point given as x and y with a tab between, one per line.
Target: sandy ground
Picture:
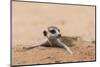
30	19
82	51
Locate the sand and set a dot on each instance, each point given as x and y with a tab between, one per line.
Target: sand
82	51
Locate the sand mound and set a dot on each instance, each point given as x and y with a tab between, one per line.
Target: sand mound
83	51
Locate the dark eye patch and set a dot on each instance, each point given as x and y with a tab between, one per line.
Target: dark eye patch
52	31
58	30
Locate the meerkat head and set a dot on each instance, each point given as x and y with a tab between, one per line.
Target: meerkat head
52	31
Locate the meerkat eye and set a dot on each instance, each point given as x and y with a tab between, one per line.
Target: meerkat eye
58	30
52	31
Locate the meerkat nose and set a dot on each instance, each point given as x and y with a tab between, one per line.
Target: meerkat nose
59	35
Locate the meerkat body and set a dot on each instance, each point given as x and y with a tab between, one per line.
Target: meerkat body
53	39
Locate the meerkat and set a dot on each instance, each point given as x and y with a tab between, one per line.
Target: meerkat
53	39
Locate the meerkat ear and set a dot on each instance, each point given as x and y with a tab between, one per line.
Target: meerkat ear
45	33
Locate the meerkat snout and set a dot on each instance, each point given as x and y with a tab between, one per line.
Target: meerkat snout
52	31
